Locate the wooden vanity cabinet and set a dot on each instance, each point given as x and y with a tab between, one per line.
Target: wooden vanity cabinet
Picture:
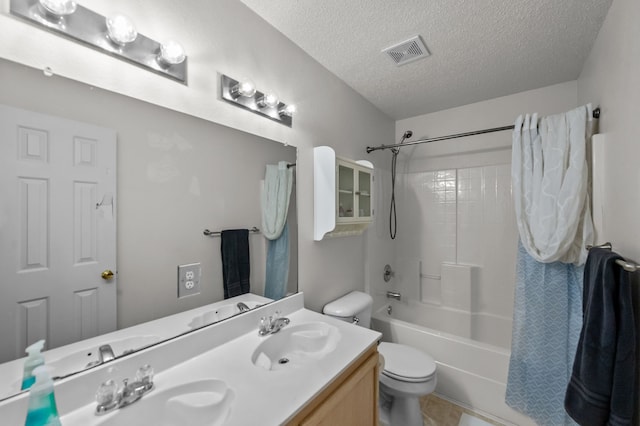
350	400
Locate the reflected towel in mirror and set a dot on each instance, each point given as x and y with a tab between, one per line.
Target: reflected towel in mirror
236	268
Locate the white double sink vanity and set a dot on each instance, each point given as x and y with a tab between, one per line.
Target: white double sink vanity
311	370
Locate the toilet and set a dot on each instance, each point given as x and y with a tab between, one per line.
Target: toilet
408	373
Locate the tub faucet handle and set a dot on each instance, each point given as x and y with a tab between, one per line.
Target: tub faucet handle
388	273
356	320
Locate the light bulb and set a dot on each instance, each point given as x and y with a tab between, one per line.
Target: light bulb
121	30
288	110
59	7
244	88
171	53
268	100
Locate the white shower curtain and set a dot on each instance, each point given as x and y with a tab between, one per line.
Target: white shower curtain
549	179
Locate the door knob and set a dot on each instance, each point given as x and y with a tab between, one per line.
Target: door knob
107	274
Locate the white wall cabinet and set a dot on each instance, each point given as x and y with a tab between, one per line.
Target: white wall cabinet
343	195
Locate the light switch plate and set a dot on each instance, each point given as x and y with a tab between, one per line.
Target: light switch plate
189	280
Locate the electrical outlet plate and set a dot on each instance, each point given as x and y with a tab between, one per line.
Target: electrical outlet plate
189	280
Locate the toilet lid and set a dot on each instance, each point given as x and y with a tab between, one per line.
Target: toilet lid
405	363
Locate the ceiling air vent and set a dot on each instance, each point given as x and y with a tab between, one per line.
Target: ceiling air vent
407	51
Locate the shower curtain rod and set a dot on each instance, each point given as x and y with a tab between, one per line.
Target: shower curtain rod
596	114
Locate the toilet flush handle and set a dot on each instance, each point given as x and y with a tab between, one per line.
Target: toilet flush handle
356	320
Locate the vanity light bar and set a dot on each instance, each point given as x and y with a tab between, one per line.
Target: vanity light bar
90	28
244	94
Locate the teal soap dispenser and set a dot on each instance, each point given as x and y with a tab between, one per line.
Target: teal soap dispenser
42	409
34	360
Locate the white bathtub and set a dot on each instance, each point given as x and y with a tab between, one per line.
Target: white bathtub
482	327
470	372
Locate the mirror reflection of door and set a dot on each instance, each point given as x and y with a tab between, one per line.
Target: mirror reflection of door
57	231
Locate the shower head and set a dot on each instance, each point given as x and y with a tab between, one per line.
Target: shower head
406	135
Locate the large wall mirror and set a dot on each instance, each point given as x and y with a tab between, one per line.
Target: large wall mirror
174	176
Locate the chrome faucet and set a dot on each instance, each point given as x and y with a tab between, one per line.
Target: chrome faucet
243	307
272	324
110	397
105	353
393	295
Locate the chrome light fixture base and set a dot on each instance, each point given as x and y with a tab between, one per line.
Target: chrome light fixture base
230	94
89	28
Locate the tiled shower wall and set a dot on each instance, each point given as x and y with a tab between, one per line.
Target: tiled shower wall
462	216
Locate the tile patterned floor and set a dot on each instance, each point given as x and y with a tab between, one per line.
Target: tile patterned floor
440	412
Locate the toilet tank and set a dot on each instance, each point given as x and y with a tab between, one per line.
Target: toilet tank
355	304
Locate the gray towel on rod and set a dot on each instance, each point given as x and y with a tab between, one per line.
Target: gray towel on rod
602	388
236	268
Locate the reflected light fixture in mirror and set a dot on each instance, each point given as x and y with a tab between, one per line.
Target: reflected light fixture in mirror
58	8
288	110
120	40
121	30
244	94
171	53
268	100
245	88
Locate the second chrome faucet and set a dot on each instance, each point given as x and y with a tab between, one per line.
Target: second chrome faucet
272	324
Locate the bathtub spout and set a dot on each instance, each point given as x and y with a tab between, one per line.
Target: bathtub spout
393	295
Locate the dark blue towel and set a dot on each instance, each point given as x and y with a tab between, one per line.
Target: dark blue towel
235	262
602	388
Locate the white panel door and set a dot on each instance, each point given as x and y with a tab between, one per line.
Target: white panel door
57	230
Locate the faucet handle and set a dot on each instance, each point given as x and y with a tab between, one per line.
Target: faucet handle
145	376
107	395
265	326
265	323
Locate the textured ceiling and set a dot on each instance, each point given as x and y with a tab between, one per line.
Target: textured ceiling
480	49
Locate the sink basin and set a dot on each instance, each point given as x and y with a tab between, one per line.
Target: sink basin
85	358
218	314
296	345
205	402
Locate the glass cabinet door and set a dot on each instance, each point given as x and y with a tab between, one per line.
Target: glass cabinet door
346	190
364	194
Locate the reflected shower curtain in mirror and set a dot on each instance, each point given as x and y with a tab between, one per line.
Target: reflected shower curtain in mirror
278	182
550	189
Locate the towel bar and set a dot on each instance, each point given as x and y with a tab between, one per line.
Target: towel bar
626	265
208	233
